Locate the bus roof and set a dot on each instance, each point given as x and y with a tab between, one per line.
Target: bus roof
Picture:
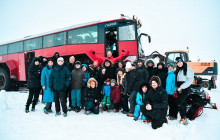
60	30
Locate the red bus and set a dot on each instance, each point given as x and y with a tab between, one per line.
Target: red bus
76	40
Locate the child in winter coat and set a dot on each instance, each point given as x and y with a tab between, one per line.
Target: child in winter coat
91	97
48	96
171	89
85	80
106	101
115	95
139	101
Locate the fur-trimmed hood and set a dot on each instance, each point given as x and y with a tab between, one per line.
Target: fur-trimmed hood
149	61
92	79
155	78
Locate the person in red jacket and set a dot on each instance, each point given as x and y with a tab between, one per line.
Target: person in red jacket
109	56
115	95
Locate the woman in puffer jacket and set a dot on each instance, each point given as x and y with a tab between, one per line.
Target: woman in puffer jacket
184	79
91	97
156	104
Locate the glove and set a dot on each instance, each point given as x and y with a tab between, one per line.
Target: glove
175	94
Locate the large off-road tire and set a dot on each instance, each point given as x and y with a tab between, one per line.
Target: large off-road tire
4	80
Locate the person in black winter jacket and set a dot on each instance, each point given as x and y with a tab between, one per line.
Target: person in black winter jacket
141	76
58	83
155	104
55	57
34	86
91	97
162	73
94	69
70	66
149	64
110	69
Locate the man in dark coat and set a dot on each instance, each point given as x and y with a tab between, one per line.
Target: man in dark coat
76	85
59	82
162	73
141	76
71	67
110	69
149	64
34	74
94	69
55	57
155	104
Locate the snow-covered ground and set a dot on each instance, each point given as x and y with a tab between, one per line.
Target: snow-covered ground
15	124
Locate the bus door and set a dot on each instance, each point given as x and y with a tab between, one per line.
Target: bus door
111	41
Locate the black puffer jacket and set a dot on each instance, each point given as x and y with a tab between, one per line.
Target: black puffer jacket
91	94
141	76
162	73
158	98
110	71
128	81
34	75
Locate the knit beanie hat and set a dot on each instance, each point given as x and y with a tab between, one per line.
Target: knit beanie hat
128	65
113	81
77	63
179	59
60	59
170	65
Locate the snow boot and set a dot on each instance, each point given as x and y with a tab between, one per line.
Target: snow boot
33	109
46	111
184	121
171	118
77	109
27	110
50	111
124	112
64	114
147	121
130	115
117	110
58	114
135	118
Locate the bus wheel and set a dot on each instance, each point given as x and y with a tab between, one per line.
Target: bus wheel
4	80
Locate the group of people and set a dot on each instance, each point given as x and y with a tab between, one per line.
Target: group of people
109	83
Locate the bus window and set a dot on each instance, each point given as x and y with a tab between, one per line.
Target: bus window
127	33
84	35
3	49
15	47
33	44
57	39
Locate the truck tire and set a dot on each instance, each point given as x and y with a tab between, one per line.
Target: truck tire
4	80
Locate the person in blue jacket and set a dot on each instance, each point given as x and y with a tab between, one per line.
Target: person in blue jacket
171	89
48	96
106	101
139	101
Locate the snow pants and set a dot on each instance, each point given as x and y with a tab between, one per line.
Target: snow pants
172	106
138	111
106	101
132	101
93	107
33	97
76	97
124	102
180	103
60	96
158	116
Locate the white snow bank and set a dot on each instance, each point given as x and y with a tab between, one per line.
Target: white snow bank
15	124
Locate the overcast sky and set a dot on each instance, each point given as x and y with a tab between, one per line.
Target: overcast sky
172	24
